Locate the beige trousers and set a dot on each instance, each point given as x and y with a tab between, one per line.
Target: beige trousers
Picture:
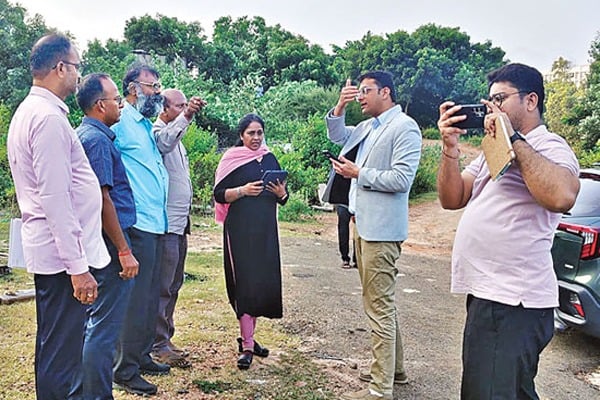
377	270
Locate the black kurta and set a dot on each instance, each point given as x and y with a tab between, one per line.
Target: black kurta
251	244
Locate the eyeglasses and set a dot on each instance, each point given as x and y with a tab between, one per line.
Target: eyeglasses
156	86
365	90
76	65
498	98
117	99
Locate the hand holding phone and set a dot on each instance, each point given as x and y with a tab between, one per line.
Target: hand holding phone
475	115
329	154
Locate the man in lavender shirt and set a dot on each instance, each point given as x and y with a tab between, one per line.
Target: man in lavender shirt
501	257
60	202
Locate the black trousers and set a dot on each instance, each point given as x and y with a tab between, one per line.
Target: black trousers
343	226
501	349
139	327
59	338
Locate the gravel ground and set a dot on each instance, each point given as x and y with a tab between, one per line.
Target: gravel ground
323	306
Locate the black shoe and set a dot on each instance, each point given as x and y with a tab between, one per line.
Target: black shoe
154	368
258	351
245	360
136	385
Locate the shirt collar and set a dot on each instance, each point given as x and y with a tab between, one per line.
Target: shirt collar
51	97
386	116
101	126
134	113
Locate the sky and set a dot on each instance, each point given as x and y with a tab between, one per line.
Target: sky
531	32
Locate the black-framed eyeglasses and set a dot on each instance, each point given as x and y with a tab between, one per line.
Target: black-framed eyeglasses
117	99
156	86
498	98
77	66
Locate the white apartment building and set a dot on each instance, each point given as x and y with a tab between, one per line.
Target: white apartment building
577	74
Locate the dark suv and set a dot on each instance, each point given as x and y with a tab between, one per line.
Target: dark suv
576	255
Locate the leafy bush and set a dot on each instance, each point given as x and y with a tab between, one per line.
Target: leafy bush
295	209
202	153
431	133
425	180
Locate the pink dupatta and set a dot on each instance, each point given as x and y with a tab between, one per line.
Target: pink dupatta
231	160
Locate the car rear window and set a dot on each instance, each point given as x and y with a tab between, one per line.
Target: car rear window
587	203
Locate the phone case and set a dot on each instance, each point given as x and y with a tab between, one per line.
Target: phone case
272	175
475	114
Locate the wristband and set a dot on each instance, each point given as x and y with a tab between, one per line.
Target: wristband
282	198
239	192
125	253
449	156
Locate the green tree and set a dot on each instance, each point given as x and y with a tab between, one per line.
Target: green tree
561	97
271	53
429	66
18	33
168	37
586	113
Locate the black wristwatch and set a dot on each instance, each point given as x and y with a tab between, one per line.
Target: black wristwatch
516	136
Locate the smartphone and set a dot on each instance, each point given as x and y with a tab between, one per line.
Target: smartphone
475	114
329	154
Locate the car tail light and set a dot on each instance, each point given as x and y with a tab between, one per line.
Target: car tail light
589	248
574	300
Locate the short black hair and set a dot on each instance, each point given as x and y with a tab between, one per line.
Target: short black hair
383	79
134	73
90	90
243	125
47	52
523	77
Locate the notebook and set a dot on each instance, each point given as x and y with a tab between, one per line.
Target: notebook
498	150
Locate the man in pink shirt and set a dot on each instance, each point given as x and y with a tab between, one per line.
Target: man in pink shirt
501	258
60	202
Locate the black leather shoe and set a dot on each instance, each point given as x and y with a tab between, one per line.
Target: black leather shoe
245	360
136	385
258	351
154	368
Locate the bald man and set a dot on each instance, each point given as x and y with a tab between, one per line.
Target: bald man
169	128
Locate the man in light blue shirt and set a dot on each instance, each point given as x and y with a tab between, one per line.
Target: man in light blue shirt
149	181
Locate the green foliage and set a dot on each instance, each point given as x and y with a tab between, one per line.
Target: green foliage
7	190
588	158
431	65
18	33
201	147
295	210
169	37
113	59
562	96
431	133
425	180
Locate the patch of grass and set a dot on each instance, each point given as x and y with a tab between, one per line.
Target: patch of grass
212	387
205	325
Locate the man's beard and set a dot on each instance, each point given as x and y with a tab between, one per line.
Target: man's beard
149	106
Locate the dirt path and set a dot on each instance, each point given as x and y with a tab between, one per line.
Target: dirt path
323	306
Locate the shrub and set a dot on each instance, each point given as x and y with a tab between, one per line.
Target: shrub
425	180
431	133
295	209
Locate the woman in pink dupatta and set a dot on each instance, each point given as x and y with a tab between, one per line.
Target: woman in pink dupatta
248	212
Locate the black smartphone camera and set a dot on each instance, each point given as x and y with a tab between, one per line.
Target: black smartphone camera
329	154
475	114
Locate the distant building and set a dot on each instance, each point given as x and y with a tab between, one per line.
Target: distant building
577	74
